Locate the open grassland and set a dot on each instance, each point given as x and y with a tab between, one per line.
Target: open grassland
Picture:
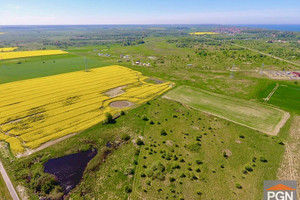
35	67
253	115
286	96
203	33
4	193
36	111
200	153
24	54
7	49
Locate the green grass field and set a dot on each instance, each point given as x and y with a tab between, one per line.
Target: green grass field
286	96
197	136
4	193
186	154
44	66
251	114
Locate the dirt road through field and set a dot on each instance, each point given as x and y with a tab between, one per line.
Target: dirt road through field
266	54
8	183
290	166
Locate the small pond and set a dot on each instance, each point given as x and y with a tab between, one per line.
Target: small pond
69	169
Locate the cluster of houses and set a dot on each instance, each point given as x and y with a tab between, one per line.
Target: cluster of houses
142	64
283	74
102	54
276	41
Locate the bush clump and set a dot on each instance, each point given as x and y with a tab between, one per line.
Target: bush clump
145	118
125	137
238	186
128	189
249	168
263	159
109	119
140	142
163	132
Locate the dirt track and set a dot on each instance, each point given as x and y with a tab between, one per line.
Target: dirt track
290	166
266	54
8	183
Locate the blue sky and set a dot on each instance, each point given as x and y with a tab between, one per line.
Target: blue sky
45	12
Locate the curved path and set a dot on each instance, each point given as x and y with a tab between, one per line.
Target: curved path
8	183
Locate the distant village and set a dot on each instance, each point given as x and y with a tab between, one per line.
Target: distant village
128	58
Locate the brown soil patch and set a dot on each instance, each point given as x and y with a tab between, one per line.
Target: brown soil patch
169	143
290	166
154	80
227	152
121	104
115	91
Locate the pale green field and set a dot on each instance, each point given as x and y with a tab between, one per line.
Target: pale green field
261	117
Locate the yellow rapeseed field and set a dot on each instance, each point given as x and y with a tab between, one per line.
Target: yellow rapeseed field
24	54
203	33
7	49
1	33
39	110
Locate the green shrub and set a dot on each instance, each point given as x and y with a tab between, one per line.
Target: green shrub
128	189
172	179
238	186
125	137
249	168
122	113
163	132
140	142
199	162
145	118
262	159
109	119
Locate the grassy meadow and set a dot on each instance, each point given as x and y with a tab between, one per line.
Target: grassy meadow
254	115
287	96
164	149
181	161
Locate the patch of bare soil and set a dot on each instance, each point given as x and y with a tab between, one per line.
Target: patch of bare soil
154	80
227	152
22	192
169	143
290	166
115	91
121	104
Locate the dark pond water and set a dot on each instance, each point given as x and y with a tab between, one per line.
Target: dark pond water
69	169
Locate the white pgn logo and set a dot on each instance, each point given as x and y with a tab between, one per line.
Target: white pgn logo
279	195
280	190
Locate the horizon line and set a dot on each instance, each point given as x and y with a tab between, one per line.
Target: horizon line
141	24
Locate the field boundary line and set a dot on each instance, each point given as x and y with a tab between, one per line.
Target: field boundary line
266	54
8	183
45	145
285	117
271	93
